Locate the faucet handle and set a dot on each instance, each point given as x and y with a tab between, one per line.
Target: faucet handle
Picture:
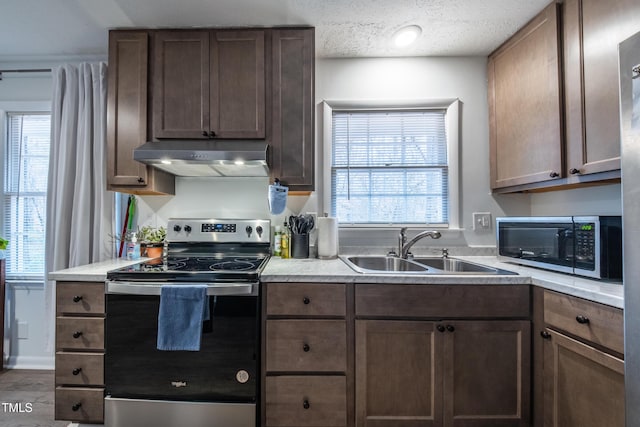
445	252
392	252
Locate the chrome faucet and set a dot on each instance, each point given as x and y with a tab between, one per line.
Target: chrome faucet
404	246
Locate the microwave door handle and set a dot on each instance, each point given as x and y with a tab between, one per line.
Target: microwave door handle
154	288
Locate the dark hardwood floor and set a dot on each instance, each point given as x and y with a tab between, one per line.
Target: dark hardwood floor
26	399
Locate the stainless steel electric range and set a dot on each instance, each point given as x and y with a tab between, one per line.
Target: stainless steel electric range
217	385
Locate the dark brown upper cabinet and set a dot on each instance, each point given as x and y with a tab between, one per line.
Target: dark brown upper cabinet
553	97
525	118
209	84
292	62
592	31
127	117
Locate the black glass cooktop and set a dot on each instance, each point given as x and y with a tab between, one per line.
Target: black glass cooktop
193	268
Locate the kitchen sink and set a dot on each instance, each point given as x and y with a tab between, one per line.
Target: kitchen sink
423	265
383	264
454	265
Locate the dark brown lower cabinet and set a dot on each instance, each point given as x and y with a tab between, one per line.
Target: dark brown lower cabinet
462	373
584	386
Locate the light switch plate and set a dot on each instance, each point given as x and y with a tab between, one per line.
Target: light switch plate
482	221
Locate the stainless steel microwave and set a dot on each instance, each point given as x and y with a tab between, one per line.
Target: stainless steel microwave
582	245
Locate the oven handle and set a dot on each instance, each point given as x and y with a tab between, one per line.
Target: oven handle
153	288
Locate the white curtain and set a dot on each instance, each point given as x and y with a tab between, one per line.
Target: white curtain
79	208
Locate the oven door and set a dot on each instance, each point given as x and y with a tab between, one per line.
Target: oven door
546	242
224	371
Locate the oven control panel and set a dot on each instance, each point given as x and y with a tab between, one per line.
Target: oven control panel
219	230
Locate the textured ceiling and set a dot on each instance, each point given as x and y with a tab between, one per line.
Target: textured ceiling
31	29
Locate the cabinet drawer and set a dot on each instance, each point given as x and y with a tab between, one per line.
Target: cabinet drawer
442	301
286	299
80	333
79	368
598	323
306	345
79	298
80	404
306	401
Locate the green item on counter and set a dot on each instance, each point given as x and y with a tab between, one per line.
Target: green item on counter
3	243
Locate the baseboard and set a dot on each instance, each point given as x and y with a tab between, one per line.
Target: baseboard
30	362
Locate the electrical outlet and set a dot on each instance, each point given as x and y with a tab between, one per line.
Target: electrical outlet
23	331
482	221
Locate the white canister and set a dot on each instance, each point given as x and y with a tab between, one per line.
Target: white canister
327	237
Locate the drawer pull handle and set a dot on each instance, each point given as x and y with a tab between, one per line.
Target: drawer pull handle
544	334
76	371
450	328
582	320
204	133
77	334
306	348
76	407
77	298
441	328
306	404
306	300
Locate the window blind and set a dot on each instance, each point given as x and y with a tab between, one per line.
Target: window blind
389	167
25	192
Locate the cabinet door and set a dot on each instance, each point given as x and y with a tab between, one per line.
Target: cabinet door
487	373
292	108
237	84
398	373
583	386
181	84
592	31
126	107
524	105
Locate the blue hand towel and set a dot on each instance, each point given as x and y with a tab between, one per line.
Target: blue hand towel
183	308
277	198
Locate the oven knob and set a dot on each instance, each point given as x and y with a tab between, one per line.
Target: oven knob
249	229
259	230
177	228
187	228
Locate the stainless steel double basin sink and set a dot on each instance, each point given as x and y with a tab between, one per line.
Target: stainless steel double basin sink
372	264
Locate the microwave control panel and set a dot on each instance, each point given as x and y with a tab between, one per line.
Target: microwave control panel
584	240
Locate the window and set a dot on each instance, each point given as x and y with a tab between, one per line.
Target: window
25	192
393	166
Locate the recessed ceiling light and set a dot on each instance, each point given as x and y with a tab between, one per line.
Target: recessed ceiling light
406	35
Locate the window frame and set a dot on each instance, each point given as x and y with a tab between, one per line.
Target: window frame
25	107
452	129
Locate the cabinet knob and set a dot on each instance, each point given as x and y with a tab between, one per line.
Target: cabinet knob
574	171
544	334
306	404
204	133
441	328
450	328
77	334
554	174
76	407
140	179
76	371
306	347
77	298
306	300
583	320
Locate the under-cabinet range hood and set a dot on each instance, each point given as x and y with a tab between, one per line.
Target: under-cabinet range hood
205	157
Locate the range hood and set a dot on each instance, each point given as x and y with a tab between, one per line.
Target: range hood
205	157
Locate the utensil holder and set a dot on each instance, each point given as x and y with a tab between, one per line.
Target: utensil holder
299	246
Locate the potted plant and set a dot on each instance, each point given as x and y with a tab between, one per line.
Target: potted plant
3	246
152	241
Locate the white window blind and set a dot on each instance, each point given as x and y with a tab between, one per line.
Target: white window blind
25	192
389	167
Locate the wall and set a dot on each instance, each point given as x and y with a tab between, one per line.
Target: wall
25	300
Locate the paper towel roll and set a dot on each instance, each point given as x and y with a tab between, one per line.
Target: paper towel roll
327	237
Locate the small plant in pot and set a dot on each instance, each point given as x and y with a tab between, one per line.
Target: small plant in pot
152	241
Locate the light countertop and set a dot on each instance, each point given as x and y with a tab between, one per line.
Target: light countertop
312	270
